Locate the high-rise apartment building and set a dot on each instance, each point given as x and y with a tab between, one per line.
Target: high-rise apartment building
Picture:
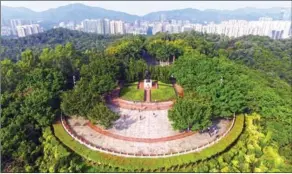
100	26
168	28
119	27
187	28
112	27
236	28
14	23
89	26
25	30
106	26
157	27
176	29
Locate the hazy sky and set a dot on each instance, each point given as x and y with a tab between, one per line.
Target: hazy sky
144	7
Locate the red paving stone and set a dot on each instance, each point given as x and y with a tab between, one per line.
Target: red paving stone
144	140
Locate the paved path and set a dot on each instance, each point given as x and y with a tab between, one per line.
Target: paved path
145	140
154	127
142	124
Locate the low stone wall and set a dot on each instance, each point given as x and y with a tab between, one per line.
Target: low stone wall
141	105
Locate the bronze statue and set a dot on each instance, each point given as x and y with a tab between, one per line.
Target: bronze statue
147	75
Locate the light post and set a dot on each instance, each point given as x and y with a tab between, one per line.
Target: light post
188	123
172	79
221	80
74	80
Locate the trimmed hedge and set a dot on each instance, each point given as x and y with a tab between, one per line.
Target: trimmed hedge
150	163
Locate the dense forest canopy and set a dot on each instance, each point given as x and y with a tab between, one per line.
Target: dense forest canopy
64	71
12	48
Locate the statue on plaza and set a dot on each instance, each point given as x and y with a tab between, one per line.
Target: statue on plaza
147	75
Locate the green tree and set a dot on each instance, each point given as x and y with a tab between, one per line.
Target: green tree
56	158
102	115
79	100
192	112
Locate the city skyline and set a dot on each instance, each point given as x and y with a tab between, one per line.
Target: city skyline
145	7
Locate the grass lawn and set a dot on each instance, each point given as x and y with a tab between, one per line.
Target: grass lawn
130	92
149	164
163	93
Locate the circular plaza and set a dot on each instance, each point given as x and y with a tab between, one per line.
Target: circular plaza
143	128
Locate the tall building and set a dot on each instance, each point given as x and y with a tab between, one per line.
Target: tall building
21	31
89	26
14	23
236	28
168	28
186	28
176	29
149	31
106	26
25	30
99	26
112	27
157	27
119	27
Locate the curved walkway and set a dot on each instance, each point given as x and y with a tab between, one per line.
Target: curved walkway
145	140
101	145
79	130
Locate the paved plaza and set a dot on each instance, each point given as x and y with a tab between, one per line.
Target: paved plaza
143	124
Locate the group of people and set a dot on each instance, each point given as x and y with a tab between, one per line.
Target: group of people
213	130
124	116
143	117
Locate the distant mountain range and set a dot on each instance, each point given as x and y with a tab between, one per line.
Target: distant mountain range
78	12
